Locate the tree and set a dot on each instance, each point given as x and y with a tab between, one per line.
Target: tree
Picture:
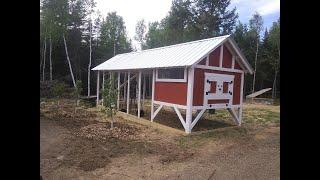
109	94
58	90
256	25
213	18
90	44
140	32
274	38
113	36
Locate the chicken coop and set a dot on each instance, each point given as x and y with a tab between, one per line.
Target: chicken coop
193	77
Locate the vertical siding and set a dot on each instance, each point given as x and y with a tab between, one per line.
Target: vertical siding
214	57
227	58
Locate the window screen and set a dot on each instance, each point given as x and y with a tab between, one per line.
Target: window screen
172	73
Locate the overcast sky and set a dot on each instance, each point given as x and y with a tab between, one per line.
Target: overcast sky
155	10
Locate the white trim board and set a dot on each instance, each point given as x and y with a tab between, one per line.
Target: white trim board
169	104
172	80
219	68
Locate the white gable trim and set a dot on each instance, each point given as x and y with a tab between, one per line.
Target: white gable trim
243	61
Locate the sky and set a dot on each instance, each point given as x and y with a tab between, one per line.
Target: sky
155	10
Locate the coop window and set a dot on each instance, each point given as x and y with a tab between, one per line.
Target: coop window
172	75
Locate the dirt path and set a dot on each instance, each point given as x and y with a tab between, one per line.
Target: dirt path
71	149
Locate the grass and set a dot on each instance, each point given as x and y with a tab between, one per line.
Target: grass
260	115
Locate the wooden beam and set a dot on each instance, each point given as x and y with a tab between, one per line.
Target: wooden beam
144	90
156	112
125	87
152	96
233	62
189	99
221	56
98	88
118	92
139	93
180	117
126	81
197	118
128	92
234	115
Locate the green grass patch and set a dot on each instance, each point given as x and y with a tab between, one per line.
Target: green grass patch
198	139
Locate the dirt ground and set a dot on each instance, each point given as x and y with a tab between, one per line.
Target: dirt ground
78	144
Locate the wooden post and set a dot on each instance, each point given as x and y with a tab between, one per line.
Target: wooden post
103	80
150	84
152	96
124	87
128	92
144	90
189	100
102	84
118	103
139	93
98	87
241	99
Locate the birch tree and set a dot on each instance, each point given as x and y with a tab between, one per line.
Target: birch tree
256	26
44	58
275	42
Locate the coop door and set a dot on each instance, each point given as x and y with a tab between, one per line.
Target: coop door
218	90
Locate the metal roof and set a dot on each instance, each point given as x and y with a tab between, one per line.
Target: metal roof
179	55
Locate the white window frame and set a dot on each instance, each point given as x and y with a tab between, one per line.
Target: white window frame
173	80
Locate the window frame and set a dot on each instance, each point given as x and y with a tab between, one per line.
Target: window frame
173	80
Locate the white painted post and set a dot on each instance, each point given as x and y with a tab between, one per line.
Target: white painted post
139	94
152	96
103	80
102	84
221	56
241	99
233	62
118	103
128	92
124	87
98	87
144	90
189	100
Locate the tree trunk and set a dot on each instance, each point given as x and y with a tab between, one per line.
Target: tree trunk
112	119
89	66
41	62
66	49
50	59
114	48
44	58
274	85
255	66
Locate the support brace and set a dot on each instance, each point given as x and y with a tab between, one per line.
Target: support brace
237	116
156	112
180	117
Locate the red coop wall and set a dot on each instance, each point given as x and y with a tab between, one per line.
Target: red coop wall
176	92
171	92
214	57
